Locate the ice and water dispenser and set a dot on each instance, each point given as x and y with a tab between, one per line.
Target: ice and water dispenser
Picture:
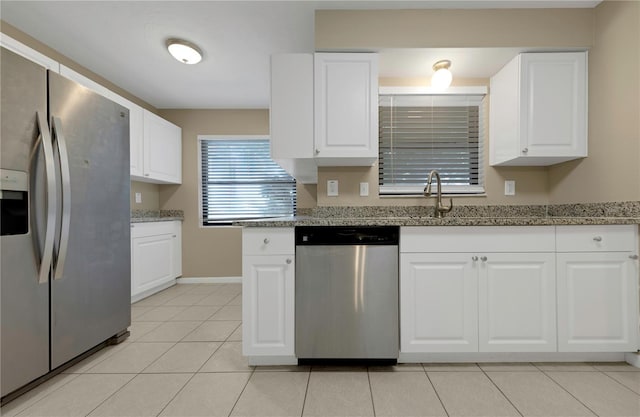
14	202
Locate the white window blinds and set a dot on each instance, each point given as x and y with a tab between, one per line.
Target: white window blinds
240	181
419	133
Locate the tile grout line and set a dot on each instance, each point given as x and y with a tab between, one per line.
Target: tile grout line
618	382
434	389
373	403
44	396
304	401
242	392
503	394
568	392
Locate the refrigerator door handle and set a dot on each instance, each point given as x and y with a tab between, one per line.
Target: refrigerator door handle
61	256
46	253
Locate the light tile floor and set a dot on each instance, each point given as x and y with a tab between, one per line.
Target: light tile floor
184	358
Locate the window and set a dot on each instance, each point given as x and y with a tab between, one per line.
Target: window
240	181
422	132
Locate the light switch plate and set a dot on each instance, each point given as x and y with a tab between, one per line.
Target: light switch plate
332	188
364	189
509	187
138	198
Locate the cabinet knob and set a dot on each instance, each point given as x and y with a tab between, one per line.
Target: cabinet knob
474	258
146	175
483	259
525	150
288	261
317	151
598	238
633	256
266	240
174	236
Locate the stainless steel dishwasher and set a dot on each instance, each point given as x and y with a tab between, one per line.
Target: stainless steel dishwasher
347	292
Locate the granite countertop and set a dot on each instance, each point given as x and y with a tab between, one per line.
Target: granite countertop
143	216
538	215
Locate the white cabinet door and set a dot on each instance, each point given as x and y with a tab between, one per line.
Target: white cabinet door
268	305
597	302
177	249
438	303
538	112
152	262
162	150
517	302
291	115
346	108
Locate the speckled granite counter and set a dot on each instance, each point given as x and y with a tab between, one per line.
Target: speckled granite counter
539	215
142	216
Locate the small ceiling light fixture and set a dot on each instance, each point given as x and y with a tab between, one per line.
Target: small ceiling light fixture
183	51
442	77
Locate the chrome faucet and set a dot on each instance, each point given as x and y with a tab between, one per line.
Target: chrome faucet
439	209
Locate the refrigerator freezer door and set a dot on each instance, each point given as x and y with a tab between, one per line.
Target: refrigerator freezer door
24	304
91	300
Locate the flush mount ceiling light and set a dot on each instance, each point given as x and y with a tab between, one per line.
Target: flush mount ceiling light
183	51
442	77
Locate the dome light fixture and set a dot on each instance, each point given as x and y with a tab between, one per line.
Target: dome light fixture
442	77
183	51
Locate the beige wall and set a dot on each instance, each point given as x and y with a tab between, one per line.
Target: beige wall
374	29
150	194
612	170
207	251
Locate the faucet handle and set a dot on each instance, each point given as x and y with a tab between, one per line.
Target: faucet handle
445	209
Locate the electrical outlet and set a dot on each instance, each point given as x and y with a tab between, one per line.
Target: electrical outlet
509	187
364	189
332	188
138	198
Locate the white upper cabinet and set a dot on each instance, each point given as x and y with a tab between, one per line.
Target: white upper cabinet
291	115
324	111
538	110
346	109
162	150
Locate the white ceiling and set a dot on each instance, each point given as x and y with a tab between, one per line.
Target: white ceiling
123	41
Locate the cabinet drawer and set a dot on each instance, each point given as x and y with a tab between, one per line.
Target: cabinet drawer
596	238
268	241
153	229
477	239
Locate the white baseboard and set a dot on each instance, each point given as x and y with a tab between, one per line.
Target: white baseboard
272	360
511	357
209	280
152	291
633	359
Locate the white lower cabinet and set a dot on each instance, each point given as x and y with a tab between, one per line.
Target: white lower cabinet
597	302
517	302
268	294
438	303
156	254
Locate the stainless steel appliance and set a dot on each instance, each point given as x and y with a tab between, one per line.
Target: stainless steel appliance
347	292
65	245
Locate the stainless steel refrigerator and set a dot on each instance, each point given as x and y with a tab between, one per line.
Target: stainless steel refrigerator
65	233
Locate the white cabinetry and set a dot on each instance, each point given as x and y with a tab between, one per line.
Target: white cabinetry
470	289
538	112
438	303
156	257
291	115
324	111
517	302
597	289
268	293
346	108
162	150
